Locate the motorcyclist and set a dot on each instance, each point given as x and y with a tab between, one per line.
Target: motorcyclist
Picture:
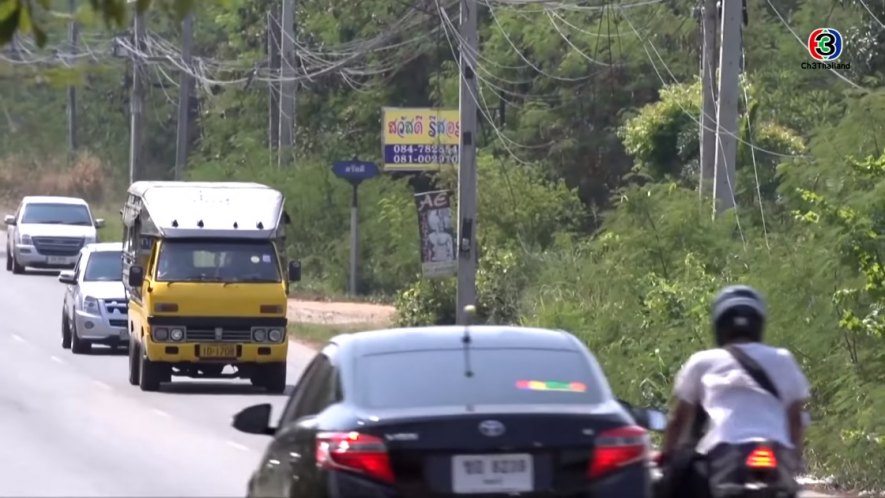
712	388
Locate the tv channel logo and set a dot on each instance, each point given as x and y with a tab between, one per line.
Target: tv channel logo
825	44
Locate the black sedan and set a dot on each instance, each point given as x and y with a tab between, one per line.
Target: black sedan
447	411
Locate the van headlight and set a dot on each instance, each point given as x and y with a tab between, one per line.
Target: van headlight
275	335
176	334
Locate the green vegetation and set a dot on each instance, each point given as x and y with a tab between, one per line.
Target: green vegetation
318	333
589	215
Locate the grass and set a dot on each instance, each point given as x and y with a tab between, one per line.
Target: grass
316	334
113	228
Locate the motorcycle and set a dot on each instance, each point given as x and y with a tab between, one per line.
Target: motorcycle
759	469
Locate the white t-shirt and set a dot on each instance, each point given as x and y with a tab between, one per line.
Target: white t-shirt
740	410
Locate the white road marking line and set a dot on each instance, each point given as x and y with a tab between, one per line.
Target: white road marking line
18	338
160	412
57	359
234	444
102	385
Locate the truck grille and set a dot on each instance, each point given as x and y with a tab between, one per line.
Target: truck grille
227	335
116	307
58	246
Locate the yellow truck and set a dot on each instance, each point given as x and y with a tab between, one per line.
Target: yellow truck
207	277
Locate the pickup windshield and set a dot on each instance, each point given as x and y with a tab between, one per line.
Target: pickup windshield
104	266
218	261
57	214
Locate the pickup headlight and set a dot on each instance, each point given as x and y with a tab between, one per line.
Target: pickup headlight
90	305
24	239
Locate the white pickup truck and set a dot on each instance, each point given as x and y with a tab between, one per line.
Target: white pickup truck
48	232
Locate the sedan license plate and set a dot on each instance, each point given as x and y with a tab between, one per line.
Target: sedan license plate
505	473
57	260
218	351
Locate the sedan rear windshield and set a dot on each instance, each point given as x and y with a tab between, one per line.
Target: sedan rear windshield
57	214
500	377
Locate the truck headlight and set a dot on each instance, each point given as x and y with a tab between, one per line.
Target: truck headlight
176	334
275	335
90	305
160	334
259	335
25	239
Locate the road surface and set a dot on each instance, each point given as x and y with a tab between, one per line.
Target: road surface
73	426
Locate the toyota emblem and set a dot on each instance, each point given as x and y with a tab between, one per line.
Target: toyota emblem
491	428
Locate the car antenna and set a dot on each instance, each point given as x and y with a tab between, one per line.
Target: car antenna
469	314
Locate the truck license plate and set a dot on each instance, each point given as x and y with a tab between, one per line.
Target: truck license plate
218	351
58	260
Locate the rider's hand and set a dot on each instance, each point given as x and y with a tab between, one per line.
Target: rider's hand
658	458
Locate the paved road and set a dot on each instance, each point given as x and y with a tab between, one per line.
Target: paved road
73	426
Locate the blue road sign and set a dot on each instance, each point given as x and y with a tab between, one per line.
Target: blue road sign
355	170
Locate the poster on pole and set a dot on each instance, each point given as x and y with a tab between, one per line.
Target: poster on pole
437	235
420	139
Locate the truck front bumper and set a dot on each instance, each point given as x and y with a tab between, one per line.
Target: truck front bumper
207	353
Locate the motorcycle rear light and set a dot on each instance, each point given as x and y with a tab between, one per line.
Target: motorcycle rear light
617	448
355	452
762	458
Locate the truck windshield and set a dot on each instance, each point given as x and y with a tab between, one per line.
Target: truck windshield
217	261
57	214
104	266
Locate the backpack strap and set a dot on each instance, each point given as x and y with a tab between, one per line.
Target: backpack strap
754	369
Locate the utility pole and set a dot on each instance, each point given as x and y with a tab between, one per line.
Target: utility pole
709	17
136	102
73	34
273	61
727	112
467	255
287	86
184	96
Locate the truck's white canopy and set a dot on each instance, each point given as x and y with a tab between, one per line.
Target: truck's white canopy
211	209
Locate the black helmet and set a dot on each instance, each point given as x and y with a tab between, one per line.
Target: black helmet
738	313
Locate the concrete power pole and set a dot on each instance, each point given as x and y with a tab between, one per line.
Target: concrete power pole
273	61
136	103
467	255
184	97
708	83
73	34
727	112
287	87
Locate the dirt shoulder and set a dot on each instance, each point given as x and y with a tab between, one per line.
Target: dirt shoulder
340	313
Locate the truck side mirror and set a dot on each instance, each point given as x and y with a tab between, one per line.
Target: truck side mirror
9	219
136	276
99	223
294	271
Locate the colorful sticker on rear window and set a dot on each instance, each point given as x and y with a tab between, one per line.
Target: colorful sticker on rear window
549	385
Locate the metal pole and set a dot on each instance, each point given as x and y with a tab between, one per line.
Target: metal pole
354	237
184	97
136	104
287	97
708	84
467	256
73	35
273	61
727	115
